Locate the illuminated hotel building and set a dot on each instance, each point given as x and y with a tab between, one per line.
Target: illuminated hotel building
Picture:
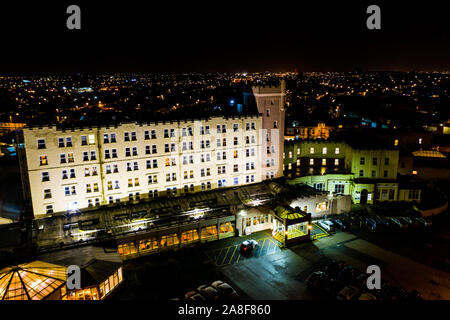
66	170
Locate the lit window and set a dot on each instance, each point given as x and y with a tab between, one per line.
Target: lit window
91	139
414	172
324	150
311	150
43	160
336	151
324	162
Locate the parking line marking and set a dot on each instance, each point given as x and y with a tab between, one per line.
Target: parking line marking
226	254
238	257
220	252
232	256
268	248
264	243
274	249
320	227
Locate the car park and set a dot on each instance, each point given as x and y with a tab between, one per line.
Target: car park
247	246
225	289
327	225
348	293
208	292
316	280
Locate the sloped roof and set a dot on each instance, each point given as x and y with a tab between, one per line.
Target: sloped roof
428	154
31	281
96	264
288	214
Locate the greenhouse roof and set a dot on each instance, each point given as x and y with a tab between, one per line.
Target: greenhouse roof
31	281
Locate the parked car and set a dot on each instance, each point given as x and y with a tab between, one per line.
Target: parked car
348	293
247	246
194	295
225	289
423	223
371	224
390	292
333	268
332	287
385	224
410	222
316	280
395	222
340	224
208	292
361	281
327	225
367	296
403	223
413	296
348	275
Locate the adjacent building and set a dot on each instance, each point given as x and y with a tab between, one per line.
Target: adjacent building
367	172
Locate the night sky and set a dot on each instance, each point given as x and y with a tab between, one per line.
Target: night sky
235	36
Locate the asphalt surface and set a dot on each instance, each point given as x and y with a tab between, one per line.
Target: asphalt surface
281	276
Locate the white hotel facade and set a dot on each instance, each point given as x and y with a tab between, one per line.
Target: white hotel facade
71	169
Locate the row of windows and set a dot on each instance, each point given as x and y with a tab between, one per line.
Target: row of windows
154	243
148	134
313	161
69	157
362	160
374	173
71	190
150	164
257	220
338	188
153	179
312	151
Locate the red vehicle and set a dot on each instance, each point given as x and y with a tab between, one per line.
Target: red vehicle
247	246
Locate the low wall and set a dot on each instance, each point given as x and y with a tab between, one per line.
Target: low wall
434	211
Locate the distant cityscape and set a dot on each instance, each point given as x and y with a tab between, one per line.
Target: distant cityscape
391	99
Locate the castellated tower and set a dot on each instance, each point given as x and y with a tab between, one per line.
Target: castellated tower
270	102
